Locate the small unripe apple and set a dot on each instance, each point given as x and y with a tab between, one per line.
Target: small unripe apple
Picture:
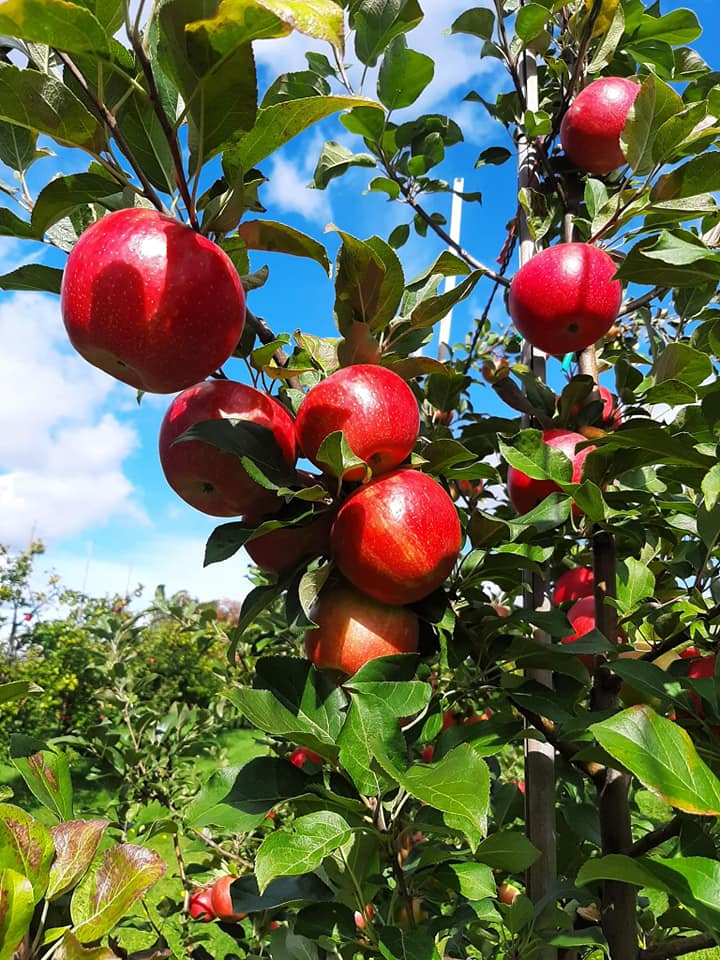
375	409
573	585
507	893
397	539
525	493
300	756
206	477
565	298
362	919
151	301
281	550
221	900
471	488
590	130
200	905
353	628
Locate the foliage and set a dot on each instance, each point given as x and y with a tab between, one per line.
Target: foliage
373	819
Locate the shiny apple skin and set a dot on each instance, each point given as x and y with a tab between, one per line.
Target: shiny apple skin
573	585
375	409
221	899
150	301
525	493
209	479
565	298
281	550
590	130
397	539
354	628
200	905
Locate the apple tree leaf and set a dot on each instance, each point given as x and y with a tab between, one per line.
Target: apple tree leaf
17	906
301	847
76	843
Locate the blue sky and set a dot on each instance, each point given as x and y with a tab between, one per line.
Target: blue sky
78	457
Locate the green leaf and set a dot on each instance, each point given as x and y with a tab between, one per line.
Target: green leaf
493	156
253	443
369	283
675	28
530	21
478	22
335	160
679	361
535	458
263	782
18	146
336	455
693	881
655	104
17	907
41	102
242	21
146	138
434	308
476	880
662	756
375	24
76	843
295	86
70	948
246	897
293	700
635	583
17	689
406	943
403	75
25	847
118	879
710	487
300	848
659	445
277	125
56	23
697	177
276	237
62	195
46	772
507	850
369	723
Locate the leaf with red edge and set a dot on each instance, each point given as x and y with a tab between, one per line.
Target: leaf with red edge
119	877
25	846
76	843
70	948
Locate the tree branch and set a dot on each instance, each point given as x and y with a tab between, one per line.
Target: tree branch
655	837
679	946
630	306
110	121
170	134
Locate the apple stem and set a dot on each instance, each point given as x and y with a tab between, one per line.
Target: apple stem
110	121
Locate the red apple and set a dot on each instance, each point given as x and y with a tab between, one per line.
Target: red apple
591	128
281	550
200	905
582	618
300	756
206	477
471	488
565	298
397	538
427	752
362	919
507	893
150	301
525	493
573	585
610	416
375	409
353	628
221	900
700	669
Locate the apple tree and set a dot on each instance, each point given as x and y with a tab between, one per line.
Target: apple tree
486	679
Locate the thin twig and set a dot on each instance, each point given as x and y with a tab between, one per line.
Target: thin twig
656	837
110	121
631	306
225	853
167	128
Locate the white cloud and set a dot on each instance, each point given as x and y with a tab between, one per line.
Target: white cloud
288	187
175	561
61	456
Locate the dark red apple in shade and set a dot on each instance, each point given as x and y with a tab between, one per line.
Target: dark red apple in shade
573	585
610	416
150	301
375	409
206	477
200	905
221	900
353	628
590	130
582	618
282	550
565	298
525	493
701	669
397	539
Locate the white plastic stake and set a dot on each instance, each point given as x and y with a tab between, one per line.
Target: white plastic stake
455	217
